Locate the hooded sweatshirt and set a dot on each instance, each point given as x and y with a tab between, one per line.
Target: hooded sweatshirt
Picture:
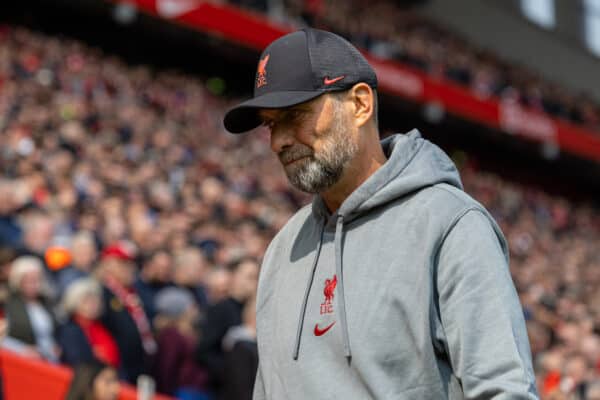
404	292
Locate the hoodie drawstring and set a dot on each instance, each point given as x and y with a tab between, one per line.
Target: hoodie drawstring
306	293
339	233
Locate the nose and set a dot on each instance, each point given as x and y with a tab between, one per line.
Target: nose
281	139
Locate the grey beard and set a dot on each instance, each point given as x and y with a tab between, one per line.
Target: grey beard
320	172
315	175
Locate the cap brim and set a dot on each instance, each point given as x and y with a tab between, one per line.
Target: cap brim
244	116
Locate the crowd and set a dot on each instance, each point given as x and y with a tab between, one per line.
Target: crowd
390	31
132	227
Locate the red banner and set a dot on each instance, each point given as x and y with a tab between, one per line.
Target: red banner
25	378
256	31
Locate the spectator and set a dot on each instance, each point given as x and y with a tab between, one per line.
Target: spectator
83	338
94	381
224	315
241	356
190	271
30	319
123	314
83	255
37	234
10	231
218	282
7	256
175	371
156	274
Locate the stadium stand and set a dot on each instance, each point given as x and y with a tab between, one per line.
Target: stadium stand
122	163
388	31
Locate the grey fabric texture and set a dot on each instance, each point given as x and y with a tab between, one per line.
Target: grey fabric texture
422	307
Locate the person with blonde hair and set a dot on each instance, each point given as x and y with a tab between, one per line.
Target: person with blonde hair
30	318
83	337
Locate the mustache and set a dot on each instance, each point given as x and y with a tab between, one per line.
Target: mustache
293	153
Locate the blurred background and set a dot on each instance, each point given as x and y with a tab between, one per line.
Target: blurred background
132	225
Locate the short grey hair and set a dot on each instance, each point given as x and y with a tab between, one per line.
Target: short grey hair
21	266
77	291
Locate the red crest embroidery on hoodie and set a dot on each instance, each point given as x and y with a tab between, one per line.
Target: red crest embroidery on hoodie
327	306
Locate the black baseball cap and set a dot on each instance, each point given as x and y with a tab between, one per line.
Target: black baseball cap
296	68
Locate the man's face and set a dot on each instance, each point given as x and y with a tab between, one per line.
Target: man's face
160	268
313	142
244	280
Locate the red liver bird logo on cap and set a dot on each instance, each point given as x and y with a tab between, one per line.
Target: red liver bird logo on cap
261	78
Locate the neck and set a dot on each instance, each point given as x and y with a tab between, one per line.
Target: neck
368	160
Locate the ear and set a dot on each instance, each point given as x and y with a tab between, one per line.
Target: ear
361	95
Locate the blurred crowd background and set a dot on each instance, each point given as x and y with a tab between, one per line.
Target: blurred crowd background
132	225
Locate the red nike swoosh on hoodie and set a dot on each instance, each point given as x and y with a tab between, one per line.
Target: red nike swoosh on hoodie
319	332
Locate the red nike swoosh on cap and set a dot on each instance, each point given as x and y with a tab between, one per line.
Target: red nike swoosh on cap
328	81
319	332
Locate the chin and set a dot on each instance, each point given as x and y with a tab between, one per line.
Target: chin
296	166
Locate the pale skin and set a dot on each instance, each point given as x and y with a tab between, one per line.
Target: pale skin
310	123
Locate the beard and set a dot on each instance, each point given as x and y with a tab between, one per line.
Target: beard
316	172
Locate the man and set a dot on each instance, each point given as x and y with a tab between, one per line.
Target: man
241	356
190	268
156	274
123	312
224	315
393	283
83	256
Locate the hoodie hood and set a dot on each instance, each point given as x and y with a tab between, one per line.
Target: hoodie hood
413	163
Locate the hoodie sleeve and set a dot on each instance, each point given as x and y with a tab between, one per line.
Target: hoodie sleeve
482	318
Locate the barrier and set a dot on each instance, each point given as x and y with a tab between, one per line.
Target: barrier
24	378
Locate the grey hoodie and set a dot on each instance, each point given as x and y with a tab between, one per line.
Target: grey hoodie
403	293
